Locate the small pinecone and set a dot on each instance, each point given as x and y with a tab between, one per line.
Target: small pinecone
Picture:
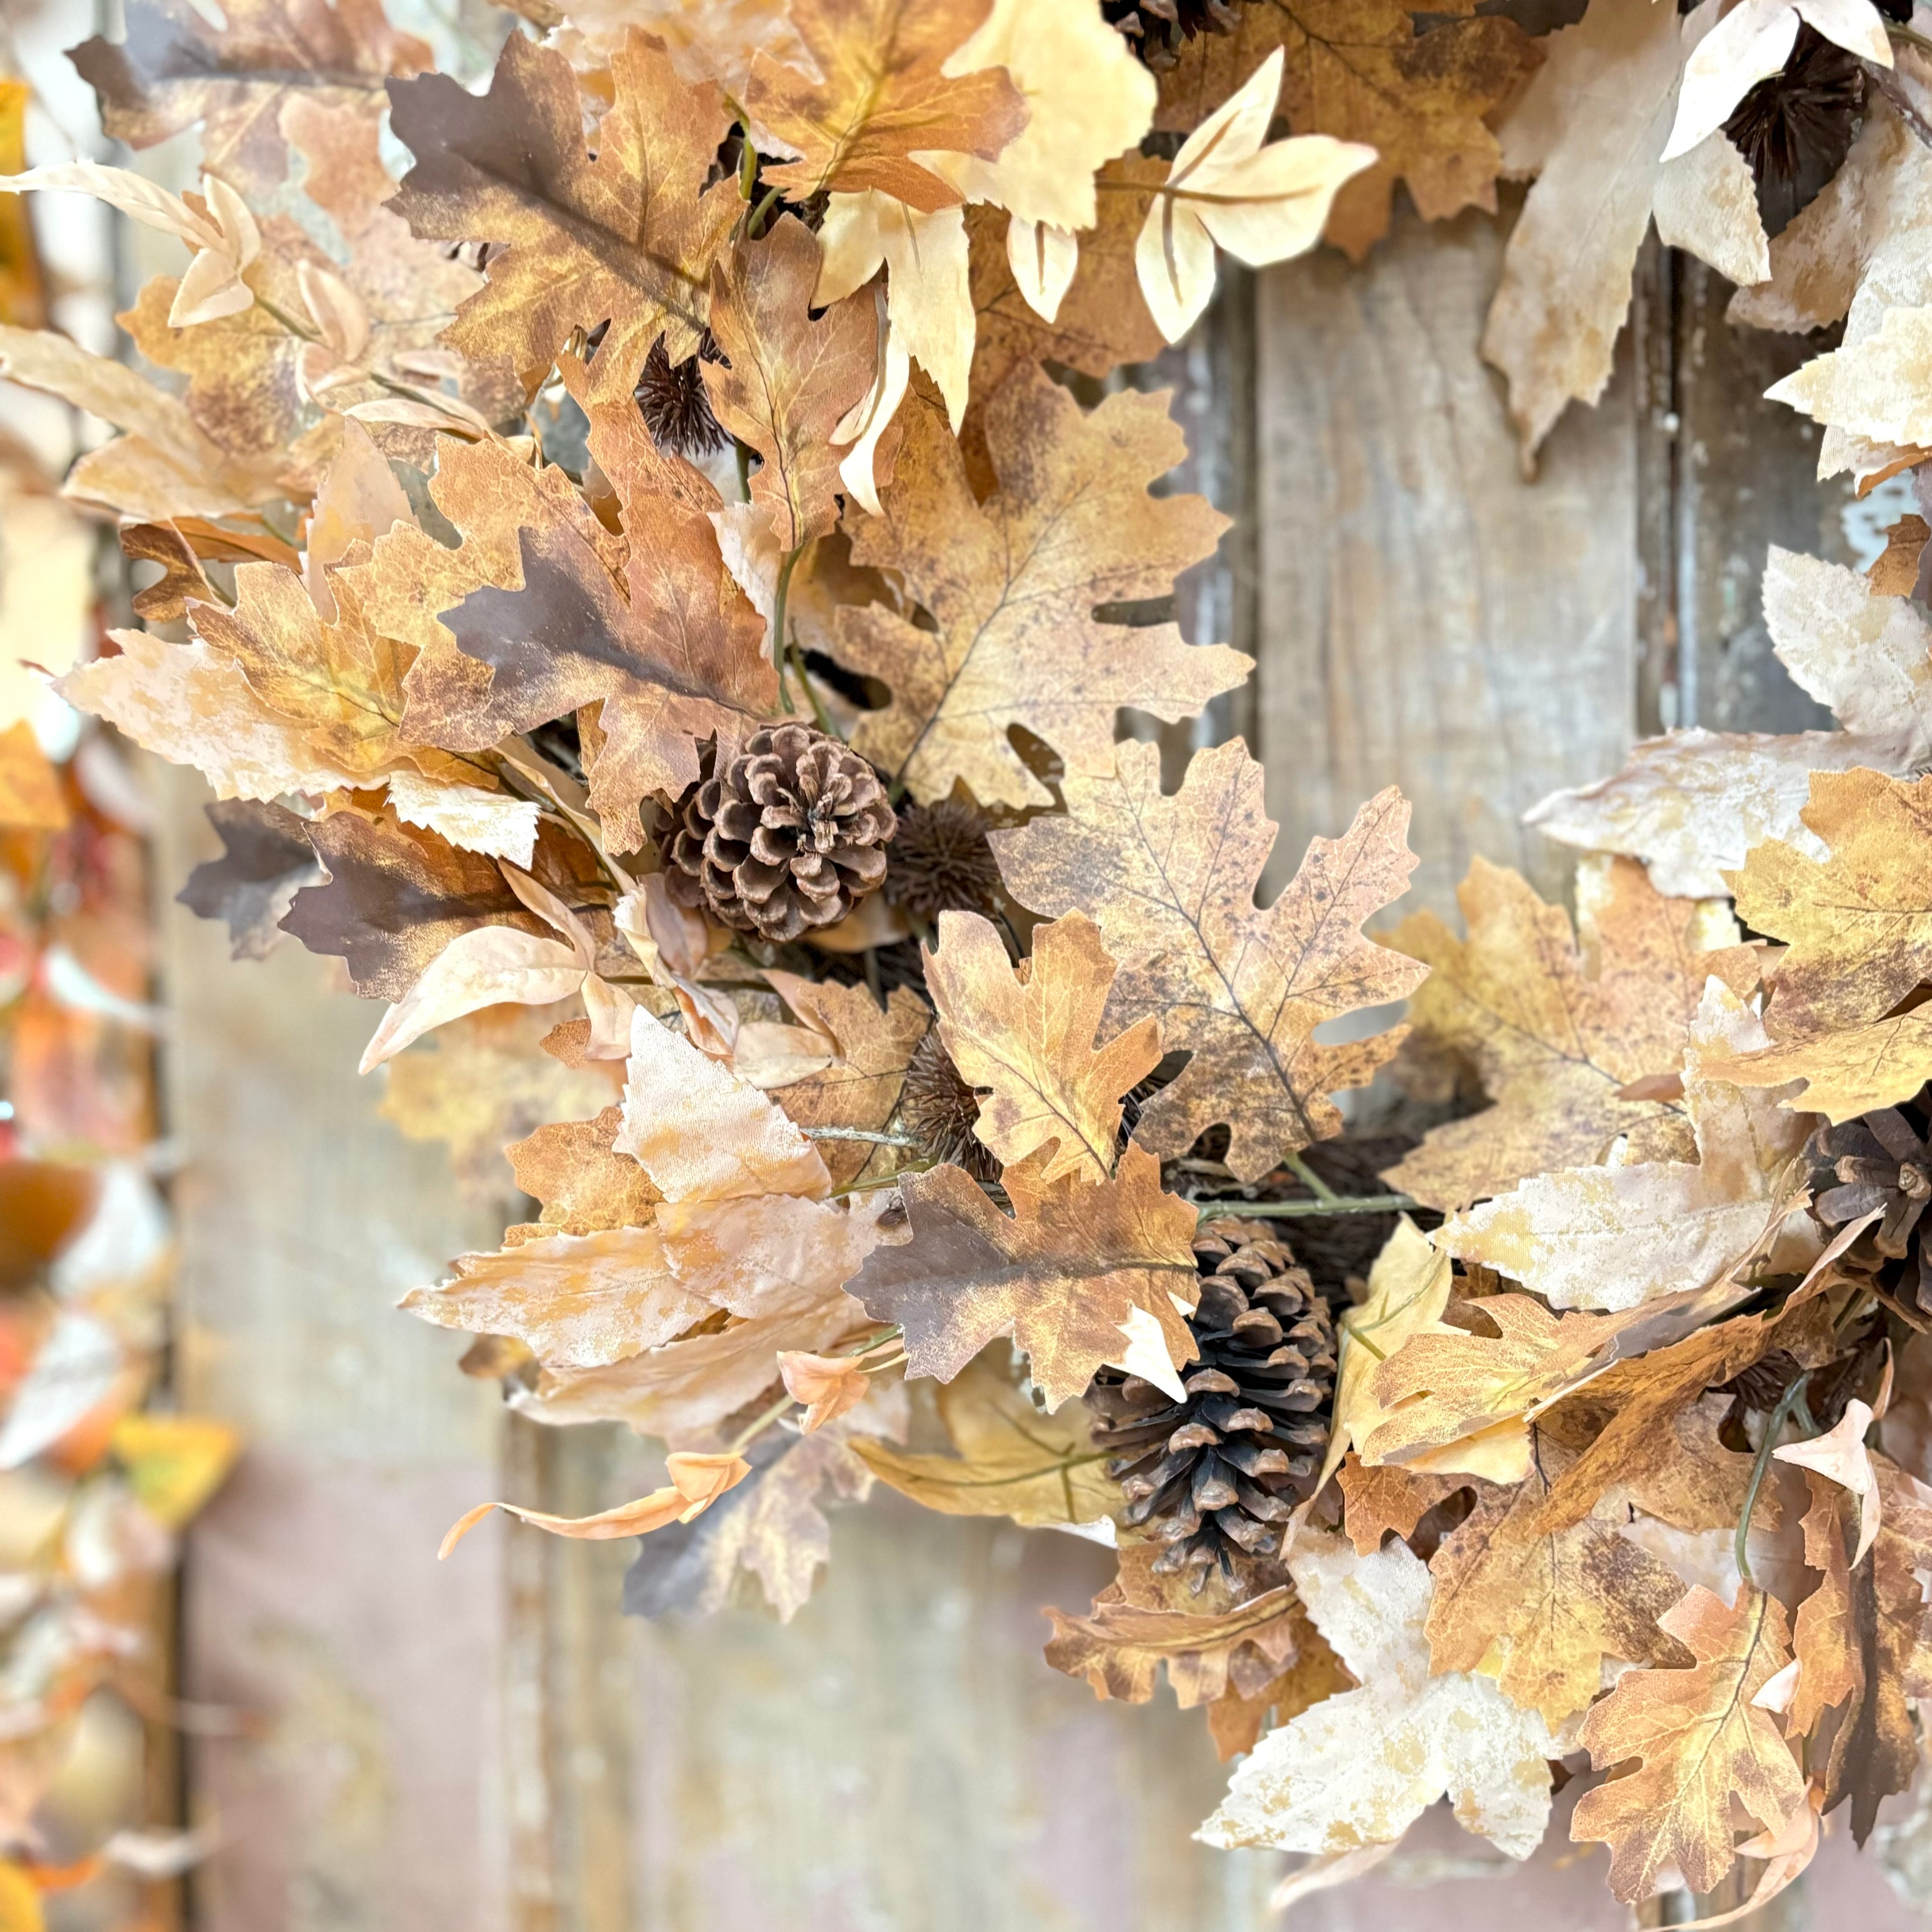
1796	127
676	408
1880	1161
1158	29
789	837
941	861
939	1110
1215	1476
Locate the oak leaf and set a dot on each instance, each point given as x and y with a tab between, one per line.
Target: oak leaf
1171	883
1844	1073
1701	1742
627	237
881	96
1080	1273
1026	1035
789	377
1553	1043
1012	1460
266	859
1361	1766
1377	1497
1013	583
1552	1605
1423	100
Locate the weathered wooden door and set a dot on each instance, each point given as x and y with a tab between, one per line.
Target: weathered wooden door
488	1744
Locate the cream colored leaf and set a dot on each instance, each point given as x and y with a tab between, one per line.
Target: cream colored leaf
470	818
485	967
1841	1453
1706	201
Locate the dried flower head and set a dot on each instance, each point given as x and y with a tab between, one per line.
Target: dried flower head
676	409
939	1110
941	861
1796	128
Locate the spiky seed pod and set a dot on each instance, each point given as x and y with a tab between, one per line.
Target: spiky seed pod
677	409
1157	30
941	861
1762	1386
1215	1476
787	838
939	1110
1796	127
1880	1162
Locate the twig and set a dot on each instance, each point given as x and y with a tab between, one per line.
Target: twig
861	1134
1292	1211
1773	1424
1889	84
755	226
1308	1178
892	1180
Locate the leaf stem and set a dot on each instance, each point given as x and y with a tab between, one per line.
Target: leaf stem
755	226
892	1180
818	710
1787	1402
1291	1211
1308	1178
779	596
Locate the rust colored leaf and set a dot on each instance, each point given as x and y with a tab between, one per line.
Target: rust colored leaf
1380	1497
1013	584
584	1185
881	97
1170	882
1078	1274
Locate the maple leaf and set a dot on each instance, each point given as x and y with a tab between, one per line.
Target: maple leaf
1384	1496
1360	1767
1553	1044
1262	204
572	1169
1555	1603
627	238
1611	1237
174	69
1423	101
789	379
1026	1034
1170	882
1859	924
1011	1459
1702	1743
266	860
881	95
1843	1074
1080	1273
1013	583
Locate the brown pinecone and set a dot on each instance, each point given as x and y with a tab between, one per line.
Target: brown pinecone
789	837
1158	29
1796	128
1882	1161
941	862
1214	1476
940	1110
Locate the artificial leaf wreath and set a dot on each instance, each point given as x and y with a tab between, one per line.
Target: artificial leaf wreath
681	676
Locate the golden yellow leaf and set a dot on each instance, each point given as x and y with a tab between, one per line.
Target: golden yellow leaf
1079	1274
881	95
1171	883
1549	1606
1702	1743
789	376
1026	1034
175	1462
1013	583
1844	1073
626	238
1011	1460
1553	1041
1859	923
30	787
572	1168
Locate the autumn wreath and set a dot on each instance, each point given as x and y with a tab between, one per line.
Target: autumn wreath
670	570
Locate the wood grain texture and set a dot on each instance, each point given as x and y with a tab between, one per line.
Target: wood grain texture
1427	619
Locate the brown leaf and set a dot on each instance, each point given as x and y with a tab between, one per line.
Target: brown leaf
1026	1034
789	377
1361	70
881	97
1078	1275
1171	883
1702	1745
165	601
697	1481
1013	584
266	859
1555	1603
1552	1040
583	1186
1893	572
1380	1497
627	237
174	69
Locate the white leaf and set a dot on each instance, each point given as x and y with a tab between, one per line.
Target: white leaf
489	966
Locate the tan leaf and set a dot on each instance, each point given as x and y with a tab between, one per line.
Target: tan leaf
1080	1274
881	96
1013	583
583	1184
1028	1033
1858	924
626	238
1384	1496
30	787
696	1482
1551	1606
1171	883
790	377
1893	572
1845	1074
1360	1767
1011	1460
1424	101
1702	1743
1553	1041
827	1386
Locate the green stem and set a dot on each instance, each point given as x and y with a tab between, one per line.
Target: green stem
759	1424
755	226
818	710
1773	1424
779	599
892	1180
1308	1178
1292	1211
